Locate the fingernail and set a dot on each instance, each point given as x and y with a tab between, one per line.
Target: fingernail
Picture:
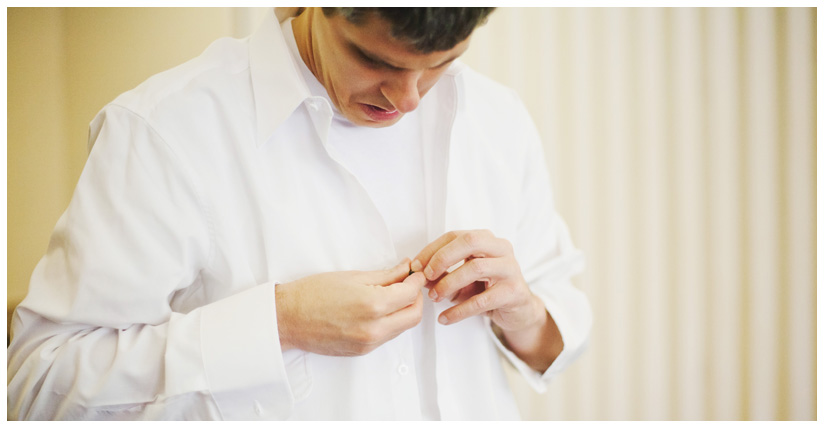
416	265
428	272
433	294
442	319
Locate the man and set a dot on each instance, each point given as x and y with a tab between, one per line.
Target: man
232	248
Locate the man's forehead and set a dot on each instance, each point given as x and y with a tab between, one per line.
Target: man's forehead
372	35
368	30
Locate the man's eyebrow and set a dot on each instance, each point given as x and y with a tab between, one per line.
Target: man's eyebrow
376	59
372	57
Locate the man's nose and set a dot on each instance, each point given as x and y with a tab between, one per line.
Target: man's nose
402	91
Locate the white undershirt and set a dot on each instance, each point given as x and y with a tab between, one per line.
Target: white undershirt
373	155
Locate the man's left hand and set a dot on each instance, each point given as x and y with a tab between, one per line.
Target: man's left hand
489	281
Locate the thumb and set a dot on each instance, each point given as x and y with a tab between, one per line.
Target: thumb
416	279
389	276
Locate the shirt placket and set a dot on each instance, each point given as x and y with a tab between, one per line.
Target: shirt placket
401	371
437	130
403	379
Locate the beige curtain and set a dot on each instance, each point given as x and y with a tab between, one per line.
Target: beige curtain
681	143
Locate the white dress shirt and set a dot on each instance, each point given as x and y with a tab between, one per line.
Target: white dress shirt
212	181
373	155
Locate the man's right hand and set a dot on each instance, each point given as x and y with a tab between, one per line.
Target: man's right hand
348	313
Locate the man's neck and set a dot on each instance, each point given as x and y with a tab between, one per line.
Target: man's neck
302	30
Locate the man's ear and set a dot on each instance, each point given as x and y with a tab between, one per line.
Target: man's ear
282	13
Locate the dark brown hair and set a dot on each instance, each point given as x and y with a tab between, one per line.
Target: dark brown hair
425	29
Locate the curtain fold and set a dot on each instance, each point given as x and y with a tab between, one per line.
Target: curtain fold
681	143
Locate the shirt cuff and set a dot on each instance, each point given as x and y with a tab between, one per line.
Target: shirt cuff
573	347
242	356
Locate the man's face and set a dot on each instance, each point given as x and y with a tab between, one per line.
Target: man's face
372	78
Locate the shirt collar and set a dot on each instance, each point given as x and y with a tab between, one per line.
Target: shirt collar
277	85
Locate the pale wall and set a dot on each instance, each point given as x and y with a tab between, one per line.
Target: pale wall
65	64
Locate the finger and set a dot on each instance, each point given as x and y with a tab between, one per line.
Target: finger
416	279
388	276
423	258
477	269
479	244
390	326
469	291
404	318
463	294
489	300
399	295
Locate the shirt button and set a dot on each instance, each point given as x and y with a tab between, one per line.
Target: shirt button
403	369
257	408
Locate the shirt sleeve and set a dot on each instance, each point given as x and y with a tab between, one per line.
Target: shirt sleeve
97	338
548	260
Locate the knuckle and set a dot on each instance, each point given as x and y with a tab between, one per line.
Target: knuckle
511	289
377	308
481	301
507	245
480	266
354	335
511	294
444	285
438	260
362	349
368	336
372	308
472	238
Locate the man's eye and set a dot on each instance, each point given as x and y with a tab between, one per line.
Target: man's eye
374	63
371	62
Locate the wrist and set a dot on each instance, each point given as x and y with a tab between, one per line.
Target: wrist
282	306
539	343
534	320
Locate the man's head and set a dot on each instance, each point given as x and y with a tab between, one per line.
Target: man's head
377	63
